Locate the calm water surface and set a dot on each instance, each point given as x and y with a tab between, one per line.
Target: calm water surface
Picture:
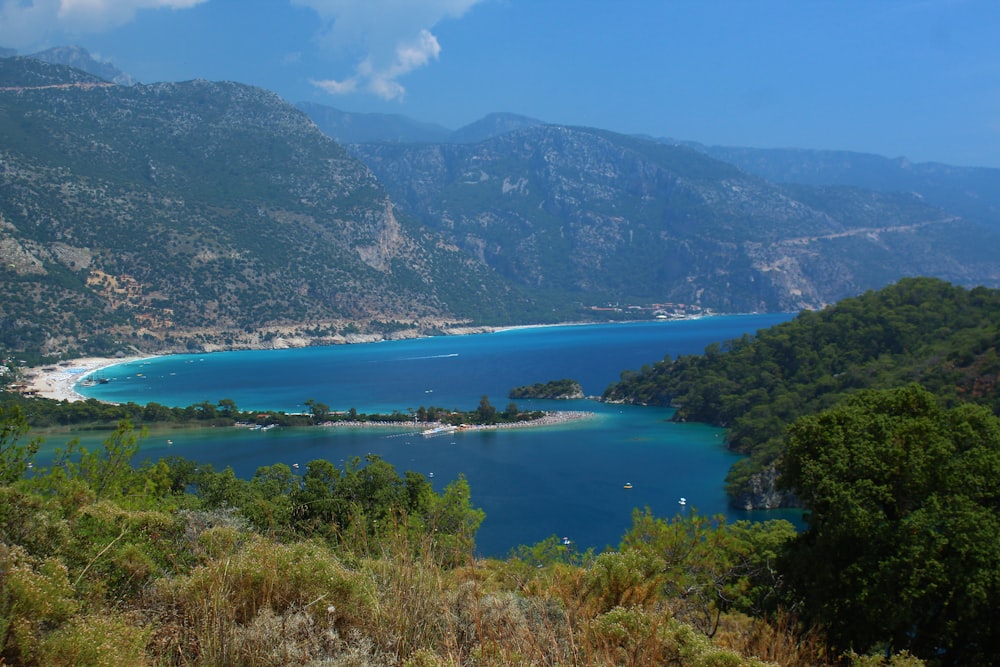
566	480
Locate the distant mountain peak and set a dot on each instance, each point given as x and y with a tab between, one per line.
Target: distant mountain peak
359	128
349	127
79	58
492	125
28	72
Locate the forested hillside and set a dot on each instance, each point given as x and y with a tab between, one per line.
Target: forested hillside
903	545
164	216
920	330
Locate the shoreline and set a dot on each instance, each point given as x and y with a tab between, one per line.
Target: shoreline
550	418
57	381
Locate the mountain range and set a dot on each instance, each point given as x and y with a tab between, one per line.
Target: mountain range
618	218
199	215
176	214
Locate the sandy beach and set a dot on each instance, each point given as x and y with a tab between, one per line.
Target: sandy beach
56	381
551	418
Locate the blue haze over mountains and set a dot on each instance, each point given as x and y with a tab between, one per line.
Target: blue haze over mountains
972	192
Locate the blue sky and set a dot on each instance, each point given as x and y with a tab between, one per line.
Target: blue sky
913	78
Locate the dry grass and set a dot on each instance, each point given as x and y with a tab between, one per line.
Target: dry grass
96	640
257	605
265	604
780	640
237	598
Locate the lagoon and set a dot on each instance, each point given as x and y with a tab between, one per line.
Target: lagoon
565	480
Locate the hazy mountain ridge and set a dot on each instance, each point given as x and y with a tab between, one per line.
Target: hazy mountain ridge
359	128
971	192
22	72
491	125
79	58
592	212
347	127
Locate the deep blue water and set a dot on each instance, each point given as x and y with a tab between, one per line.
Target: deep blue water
533	483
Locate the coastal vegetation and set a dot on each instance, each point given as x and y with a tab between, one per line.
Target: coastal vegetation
923	330
94	414
555	389
903	542
173	563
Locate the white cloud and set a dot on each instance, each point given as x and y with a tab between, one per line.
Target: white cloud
335	87
386	38
30	24
418	52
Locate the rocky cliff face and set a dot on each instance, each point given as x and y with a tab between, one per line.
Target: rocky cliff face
762	493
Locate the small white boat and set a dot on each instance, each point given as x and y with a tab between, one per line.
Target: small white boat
682	501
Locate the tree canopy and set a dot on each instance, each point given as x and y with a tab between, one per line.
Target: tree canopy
903	545
564	388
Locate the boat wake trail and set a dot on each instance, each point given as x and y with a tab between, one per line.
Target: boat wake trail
432	356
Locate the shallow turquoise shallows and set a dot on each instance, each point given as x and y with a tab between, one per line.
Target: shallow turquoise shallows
566	480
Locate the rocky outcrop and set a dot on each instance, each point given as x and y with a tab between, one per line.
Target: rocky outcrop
762	493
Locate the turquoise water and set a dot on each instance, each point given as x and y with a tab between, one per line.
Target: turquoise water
566	479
